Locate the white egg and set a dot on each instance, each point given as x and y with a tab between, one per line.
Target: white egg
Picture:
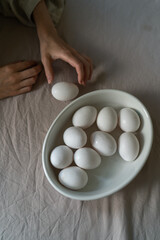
107	119
61	157
74	137
129	120
64	91
103	143
73	177
87	158
128	146
84	117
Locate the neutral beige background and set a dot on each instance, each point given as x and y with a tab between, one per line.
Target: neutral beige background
123	40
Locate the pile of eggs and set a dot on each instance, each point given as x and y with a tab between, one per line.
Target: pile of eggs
102	143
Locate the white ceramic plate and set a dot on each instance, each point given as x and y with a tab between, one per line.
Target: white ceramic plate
113	173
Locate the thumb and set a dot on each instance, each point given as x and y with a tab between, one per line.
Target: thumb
48	68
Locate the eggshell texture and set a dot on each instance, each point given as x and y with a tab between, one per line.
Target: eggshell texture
129	120
61	157
128	146
74	137
64	91
107	119
73	177
84	117
103	143
87	158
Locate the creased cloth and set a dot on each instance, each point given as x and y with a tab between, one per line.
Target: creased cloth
123	40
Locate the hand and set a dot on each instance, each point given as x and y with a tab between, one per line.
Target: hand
53	47
18	78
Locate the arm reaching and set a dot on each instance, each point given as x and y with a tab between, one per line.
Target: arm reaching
52	47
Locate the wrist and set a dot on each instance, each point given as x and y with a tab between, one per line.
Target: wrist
46	33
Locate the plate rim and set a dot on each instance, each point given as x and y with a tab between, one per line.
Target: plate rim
100	195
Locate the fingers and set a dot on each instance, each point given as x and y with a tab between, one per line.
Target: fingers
24	86
14	82
81	63
20	66
86	61
77	64
90	66
48	68
87	66
22	90
27	82
30	72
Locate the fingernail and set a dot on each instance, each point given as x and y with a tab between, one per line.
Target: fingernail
49	79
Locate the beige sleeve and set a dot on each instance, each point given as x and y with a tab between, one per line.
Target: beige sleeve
23	9
55	8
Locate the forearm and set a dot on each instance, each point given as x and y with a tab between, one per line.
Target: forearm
43	21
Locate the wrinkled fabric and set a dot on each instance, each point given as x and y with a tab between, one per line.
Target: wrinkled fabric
122	39
23	10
